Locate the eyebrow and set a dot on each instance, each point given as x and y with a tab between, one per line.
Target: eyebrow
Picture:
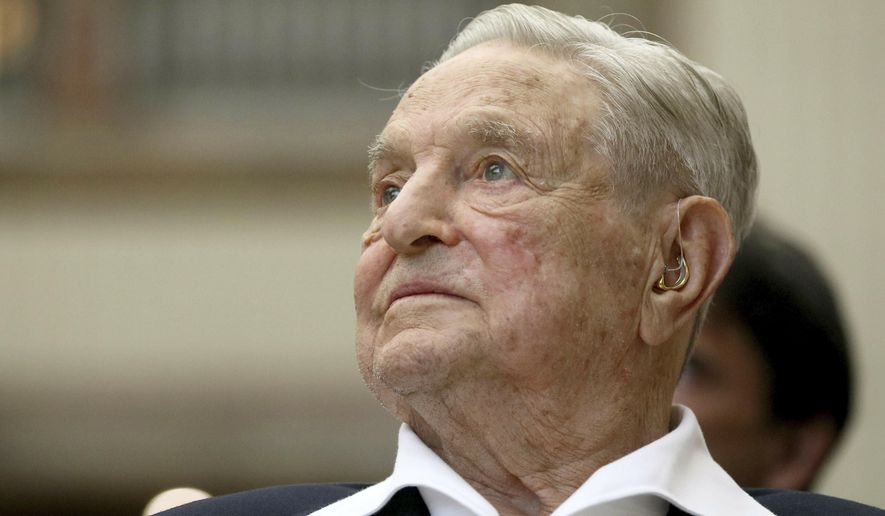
378	150
497	133
485	132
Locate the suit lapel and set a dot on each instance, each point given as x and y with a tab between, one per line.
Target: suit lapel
406	501
676	511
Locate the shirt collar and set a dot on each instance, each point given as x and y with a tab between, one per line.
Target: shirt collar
677	468
443	490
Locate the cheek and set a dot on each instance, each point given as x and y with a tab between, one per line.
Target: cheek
509	263
507	249
370	269
526	278
610	269
560	278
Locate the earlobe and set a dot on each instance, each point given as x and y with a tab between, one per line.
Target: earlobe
695	249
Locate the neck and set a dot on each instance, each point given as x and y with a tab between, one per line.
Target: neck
526	454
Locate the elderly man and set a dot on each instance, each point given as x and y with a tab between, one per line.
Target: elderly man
553	206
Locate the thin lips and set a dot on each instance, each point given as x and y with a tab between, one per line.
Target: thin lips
417	289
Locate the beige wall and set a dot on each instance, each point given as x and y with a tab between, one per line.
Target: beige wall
163	331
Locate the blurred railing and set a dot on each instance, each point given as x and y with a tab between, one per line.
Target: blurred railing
305	43
162	45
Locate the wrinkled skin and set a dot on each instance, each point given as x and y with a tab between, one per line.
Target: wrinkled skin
501	282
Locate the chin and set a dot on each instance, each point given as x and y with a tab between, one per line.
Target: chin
418	360
411	361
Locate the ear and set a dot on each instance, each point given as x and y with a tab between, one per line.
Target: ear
707	246
804	448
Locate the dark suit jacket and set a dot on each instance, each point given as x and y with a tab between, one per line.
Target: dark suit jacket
298	500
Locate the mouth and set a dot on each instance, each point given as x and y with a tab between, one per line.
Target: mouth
416	289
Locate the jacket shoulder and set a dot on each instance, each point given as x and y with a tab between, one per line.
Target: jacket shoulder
788	503
292	500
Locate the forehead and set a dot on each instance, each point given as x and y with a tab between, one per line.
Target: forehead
534	91
507	73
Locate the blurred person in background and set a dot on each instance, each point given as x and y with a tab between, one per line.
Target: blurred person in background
770	378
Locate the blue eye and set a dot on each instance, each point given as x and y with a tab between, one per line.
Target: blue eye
497	171
389	195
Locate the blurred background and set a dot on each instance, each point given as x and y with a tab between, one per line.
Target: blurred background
182	192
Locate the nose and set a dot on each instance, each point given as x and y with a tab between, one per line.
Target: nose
420	216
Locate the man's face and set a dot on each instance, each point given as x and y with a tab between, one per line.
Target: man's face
496	254
726	385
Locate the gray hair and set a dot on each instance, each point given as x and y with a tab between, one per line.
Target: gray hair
667	122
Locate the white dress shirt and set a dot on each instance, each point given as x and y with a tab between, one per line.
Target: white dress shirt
677	469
